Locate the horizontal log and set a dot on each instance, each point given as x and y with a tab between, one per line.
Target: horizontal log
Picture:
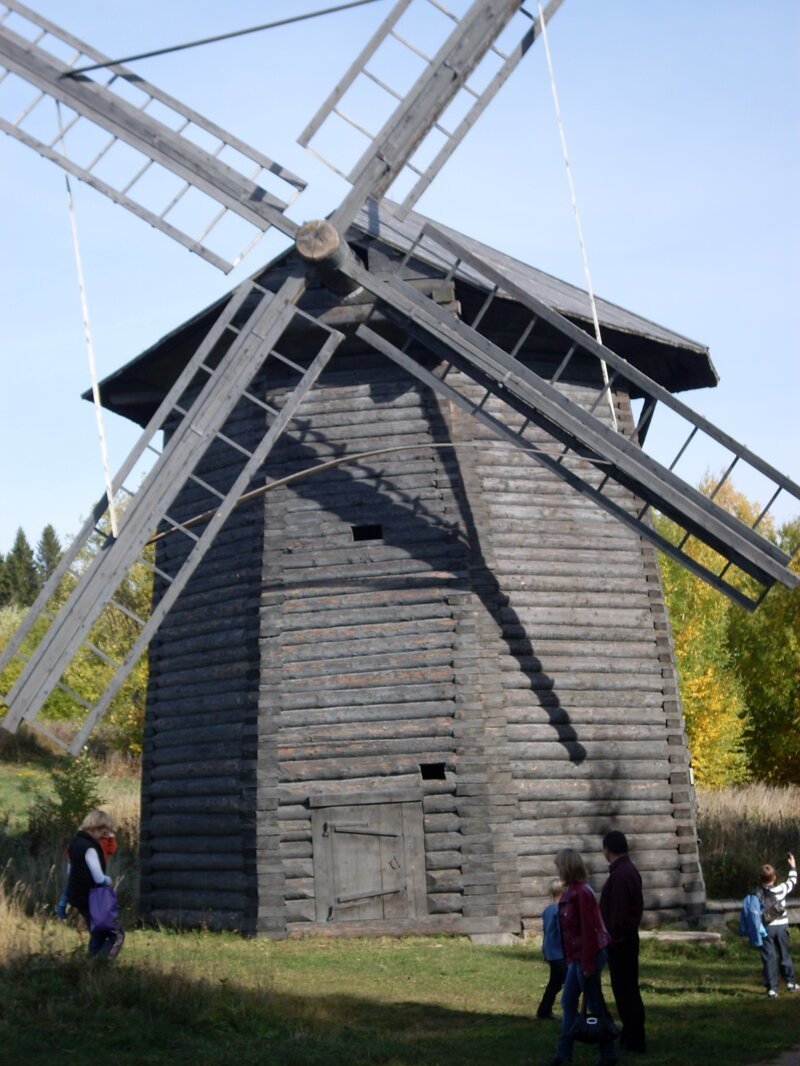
352	618
583	824
182	918
344	732
225	732
596	769
646	861
209	860
563	684
580	745
433	748
352	768
193	824
529	844
299	888
379	678
600	616
596	697
441	823
299	792
445	903
537	888
163	754
191	770
298	868
178	899
200	880
443	860
301	910
412	693
233	842
230	804
537	720
444	881
392	659
430	925
174	788
618	812
305	717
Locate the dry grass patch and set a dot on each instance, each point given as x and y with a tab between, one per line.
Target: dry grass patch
741	828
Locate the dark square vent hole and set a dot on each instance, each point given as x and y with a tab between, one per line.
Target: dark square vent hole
432	771
372	531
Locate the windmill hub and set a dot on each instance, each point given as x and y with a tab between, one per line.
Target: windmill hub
320	244
318	241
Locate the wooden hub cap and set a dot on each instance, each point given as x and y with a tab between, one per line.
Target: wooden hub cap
318	241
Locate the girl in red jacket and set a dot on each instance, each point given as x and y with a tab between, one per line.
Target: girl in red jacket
585	938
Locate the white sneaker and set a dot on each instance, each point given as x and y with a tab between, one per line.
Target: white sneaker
790	987
772	993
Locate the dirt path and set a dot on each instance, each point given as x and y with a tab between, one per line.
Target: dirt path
788	1058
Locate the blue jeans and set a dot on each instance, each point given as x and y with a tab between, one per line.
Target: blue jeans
573	986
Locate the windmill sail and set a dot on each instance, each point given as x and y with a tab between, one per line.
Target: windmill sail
743	555
210	405
134	143
421	122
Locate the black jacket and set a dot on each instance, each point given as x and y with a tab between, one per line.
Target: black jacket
80	879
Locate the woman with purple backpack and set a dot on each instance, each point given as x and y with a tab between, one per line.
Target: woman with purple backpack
87	870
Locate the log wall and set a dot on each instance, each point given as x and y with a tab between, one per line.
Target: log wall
452	622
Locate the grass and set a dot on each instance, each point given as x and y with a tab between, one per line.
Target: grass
202	998
206	999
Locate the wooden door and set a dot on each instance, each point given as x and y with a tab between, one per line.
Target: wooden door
368	861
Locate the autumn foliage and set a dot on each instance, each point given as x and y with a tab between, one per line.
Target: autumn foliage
739	673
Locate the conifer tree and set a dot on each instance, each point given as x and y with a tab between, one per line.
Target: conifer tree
48	553
5	583
21	571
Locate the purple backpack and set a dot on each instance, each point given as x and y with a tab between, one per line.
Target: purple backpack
103	909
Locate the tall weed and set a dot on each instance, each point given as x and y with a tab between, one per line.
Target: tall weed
26	929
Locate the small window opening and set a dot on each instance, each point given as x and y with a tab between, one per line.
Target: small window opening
432	771
368	532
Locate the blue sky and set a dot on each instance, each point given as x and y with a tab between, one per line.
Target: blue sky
683	123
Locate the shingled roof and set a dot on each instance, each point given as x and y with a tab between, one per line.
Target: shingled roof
675	361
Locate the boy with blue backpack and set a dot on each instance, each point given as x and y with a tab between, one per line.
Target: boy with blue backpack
766	924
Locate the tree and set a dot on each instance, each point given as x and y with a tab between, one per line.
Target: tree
5	583
739	673
711	694
21	571
48	553
766	648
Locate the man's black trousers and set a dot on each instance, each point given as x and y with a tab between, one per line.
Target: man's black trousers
623	967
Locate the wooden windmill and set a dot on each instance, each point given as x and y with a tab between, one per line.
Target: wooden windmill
282	786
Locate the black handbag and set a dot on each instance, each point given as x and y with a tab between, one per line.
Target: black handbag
594	1025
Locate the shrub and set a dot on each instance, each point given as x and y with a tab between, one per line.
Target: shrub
76	787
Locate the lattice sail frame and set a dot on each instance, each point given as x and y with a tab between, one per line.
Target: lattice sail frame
587	442
201	409
748	563
69	632
141	147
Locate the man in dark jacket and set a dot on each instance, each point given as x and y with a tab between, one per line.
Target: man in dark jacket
621	905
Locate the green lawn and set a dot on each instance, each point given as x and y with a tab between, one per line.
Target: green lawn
18	783
205	999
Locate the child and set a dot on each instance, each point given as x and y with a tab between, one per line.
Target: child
775	945
553	952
